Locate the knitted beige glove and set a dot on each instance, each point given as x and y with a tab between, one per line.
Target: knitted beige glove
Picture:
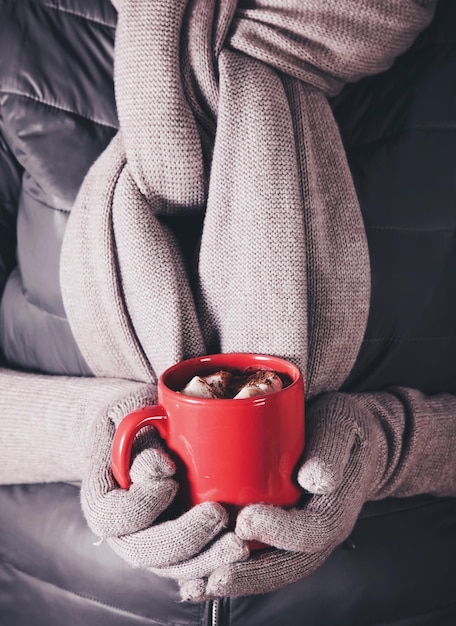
359	447
127	518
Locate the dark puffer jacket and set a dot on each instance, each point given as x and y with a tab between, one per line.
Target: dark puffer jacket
57	113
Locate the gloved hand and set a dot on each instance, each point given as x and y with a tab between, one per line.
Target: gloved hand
126	518
359	447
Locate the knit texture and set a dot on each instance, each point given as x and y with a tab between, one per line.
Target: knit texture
46	422
126	518
360	447
223	110
130	520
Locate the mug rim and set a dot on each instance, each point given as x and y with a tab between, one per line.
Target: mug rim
289	368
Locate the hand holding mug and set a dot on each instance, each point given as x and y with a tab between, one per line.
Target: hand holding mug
178	541
130	520
360	447
236	452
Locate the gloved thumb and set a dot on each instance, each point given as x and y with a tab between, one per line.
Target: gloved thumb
330	436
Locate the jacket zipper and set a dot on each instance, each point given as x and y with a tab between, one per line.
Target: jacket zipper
215	613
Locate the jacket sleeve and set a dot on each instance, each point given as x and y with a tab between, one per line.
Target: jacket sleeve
10	174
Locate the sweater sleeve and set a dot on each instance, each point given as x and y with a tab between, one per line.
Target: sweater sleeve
45	421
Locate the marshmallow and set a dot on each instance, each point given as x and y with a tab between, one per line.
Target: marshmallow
219	383
198	388
261	383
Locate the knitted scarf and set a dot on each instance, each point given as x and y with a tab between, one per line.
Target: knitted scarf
223	112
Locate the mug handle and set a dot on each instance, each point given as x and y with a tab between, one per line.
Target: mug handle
125	434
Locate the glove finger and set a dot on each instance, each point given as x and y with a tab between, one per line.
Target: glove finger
277	527
123	511
266	572
227	549
110	511
325	520
148	454
172	541
151	463
193	590
294	530
329	441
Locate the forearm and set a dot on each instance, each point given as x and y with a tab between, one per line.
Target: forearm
45	422
418	437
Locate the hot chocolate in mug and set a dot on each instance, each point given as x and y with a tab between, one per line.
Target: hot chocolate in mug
232	451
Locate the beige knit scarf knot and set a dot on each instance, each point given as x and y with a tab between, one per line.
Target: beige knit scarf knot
223	111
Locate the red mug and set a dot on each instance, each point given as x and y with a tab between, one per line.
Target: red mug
233	451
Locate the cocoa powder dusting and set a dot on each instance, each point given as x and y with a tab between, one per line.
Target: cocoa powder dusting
226	384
